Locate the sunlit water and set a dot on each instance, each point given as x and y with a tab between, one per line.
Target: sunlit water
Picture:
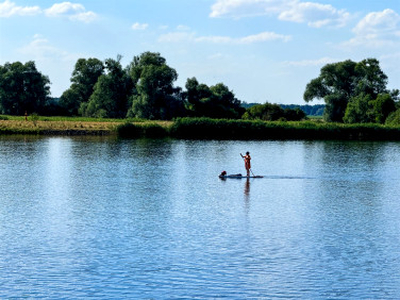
150	219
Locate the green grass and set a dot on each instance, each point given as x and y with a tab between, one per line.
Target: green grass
69	119
203	128
199	128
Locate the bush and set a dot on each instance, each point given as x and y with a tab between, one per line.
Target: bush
152	130
273	112
205	128
393	119
129	130
148	130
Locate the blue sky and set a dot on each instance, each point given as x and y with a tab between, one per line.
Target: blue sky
263	50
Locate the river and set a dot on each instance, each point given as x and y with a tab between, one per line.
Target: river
85	217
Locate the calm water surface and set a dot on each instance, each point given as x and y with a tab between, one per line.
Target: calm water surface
150	219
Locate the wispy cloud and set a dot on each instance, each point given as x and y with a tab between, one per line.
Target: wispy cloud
41	50
176	37
246	8
139	26
9	9
313	63
377	29
250	39
72	11
313	14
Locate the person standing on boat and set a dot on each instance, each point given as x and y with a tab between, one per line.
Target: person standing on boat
247	164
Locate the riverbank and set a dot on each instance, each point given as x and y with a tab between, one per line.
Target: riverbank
201	128
56	127
69	125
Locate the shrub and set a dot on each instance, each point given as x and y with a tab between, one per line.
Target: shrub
394	118
153	130
129	130
149	130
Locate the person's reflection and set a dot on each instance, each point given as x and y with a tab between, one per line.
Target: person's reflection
247	193
247	187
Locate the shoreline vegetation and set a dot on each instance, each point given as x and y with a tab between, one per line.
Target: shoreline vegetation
198	128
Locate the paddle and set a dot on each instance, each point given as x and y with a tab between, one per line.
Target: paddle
245	159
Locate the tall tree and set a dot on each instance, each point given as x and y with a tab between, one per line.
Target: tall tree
84	77
223	103
215	102
196	97
22	88
371	80
154	95
110	94
339	82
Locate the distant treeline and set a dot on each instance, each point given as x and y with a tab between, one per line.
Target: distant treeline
309	110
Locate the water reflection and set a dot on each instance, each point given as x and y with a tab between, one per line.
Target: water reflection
108	218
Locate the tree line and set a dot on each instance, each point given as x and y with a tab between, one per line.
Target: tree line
353	92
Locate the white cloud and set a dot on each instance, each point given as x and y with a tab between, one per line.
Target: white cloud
85	17
214	39
250	39
183	28
139	26
8	9
313	14
176	37
246	8
377	29
313	63
73	11
51	60
263	37
41	50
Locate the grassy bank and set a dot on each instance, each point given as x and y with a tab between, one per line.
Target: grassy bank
203	128
64	125
56	127
198	128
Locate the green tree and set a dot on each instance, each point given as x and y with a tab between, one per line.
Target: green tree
383	106
215	102
294	114
196	96
370	78
110	94
84	77
22	88
154	95
273	112
265	112
359	110
335	85
223	103
342	81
